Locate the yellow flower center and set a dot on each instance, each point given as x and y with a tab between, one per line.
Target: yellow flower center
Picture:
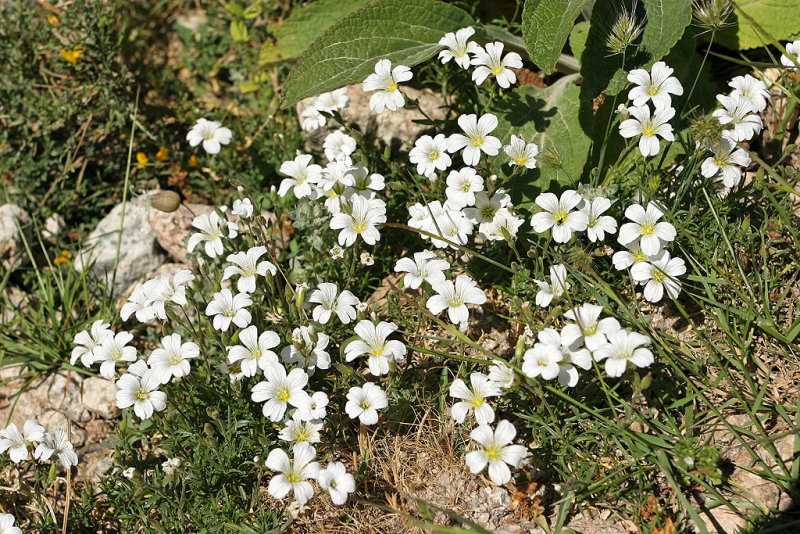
521	160
283	394
255	354
648	228
493	452
477	140
141	395
229	313
659	276
477	402
497	69
433	155
364	404
560	216
116	355
466	186
175	359
391	87
359	227
639	256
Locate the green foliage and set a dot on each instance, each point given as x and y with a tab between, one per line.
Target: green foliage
779	18
304	25
577	38
403	31
546	24
552	118
602	72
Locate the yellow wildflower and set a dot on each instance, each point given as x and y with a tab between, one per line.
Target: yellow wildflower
52	19
72	55
142	158
192	161
63	258
162	153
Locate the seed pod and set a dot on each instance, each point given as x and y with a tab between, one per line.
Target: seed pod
166	201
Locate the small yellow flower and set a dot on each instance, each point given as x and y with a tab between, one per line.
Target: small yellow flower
192	161
142	158
72	55
162	153
62	259
52	19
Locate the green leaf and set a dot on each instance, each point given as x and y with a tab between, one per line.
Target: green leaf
406	32
551	118
304	25
545	26
248	87
239	31
252	11
666	22
780	18
235	9
577	38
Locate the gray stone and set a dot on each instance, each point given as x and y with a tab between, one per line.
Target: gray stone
99	397
171	229
139	252
12	241
391	127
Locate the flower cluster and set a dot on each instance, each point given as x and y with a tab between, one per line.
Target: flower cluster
18	444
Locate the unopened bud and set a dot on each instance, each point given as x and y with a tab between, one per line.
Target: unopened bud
166	201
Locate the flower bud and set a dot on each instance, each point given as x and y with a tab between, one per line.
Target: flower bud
166	201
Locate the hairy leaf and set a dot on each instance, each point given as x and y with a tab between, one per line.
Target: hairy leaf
666	21
551	118
304	25
577	38
406	32
546	25
780	18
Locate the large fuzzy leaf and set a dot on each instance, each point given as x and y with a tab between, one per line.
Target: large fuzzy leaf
780	18
552	118
304	25
404	31
602	72
546	25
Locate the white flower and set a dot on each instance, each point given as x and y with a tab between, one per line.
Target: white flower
429	155
164	290
455	297
172	358
486	207
339	171
314	407
425	267
474	398
491	63
598	224
737	112
333	100
449	223
312	119
495	450
227	307
461	188
386	82
658	274
170	466
298	430
624	347
625	258
301	176
210	133
502	375
373	342
555	288
330	301
247	266
793	58
140	303
211	227
458	47
647	127
727	158
280	390
655	85
294	473
593	329
559	216
751	90
88	341
521	154
16	443
337	482
242	207
254	353
542	360
338	146
141	392
504	225
364	402
129	472
570	343
307	349
476	138
362	220
365	183
337	252
58	444
114	349
651	233
7	525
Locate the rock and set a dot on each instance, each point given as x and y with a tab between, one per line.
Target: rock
99	397
94	461
12	241
171	229
139	252
16	301
53	226
392	127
